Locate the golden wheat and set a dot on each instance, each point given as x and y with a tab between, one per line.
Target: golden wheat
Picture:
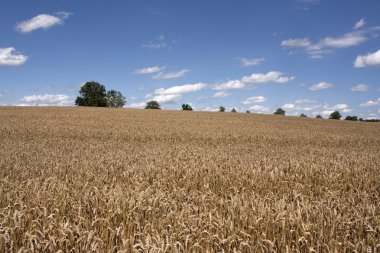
102	180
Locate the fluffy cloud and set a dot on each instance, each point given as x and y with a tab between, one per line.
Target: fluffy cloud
359	24
171	75
47	99
221	94
360	88
371	59
259	108
254	100
320	86
289	106
272	76
167	98
181	89
251	62
8	57
42	21
370	103
230	85
328	44
149	70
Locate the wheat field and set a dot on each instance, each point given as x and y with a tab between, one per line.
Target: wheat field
117	180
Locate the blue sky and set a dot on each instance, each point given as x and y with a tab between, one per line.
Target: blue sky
306	56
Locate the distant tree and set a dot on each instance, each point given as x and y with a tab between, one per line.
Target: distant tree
279	111
248	111
187	107
92	94
372	120
353	118
303	115
361	119
335	115
222	109
319	117
115	99
152	105
233	110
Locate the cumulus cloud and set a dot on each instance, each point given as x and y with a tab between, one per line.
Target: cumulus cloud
230	85
181	89
371	59
254	100
221	94
167	98
47	99
289	106
360	88
370	103
171	75
251	62
9	57
359	24
149	70
272	76
328	44
320	86
42	21
259	108
305	100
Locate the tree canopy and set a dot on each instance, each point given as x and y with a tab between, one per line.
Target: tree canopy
153	105
92	94
335	115
187	107
279	111
222	109
115	99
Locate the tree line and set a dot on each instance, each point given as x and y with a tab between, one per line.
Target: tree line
95	95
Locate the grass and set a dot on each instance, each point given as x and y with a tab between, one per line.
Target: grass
116	180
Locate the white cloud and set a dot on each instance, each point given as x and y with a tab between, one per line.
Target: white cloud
139	105
259	108
8	57
305	100
149	70
221	94
370	103
181	89
360	88
47	99
371	59
359	24
320	86
272	76
328	44
167	98
254	100
42	21
338	107
296	43
289	106
230	85
171	75
250	62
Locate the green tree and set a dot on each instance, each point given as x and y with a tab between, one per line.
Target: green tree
115	99
335	115
353	118
153	105
319	117
248	111
279	111
187	107
222	109
92	94
233	110
303	115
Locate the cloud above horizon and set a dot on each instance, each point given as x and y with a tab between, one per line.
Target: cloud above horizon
320	86
47	99
42	21
149	70
371	59
9	57
171	75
